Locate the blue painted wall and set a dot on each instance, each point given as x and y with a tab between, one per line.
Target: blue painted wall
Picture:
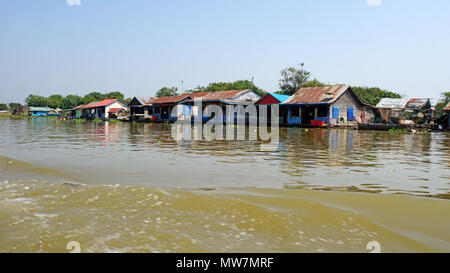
297	120
38	114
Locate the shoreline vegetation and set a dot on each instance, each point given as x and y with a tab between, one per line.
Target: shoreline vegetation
97	120
292	79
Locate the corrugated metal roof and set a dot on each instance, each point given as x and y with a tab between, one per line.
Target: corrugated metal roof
89	105
40	109
447	108
281	98
145	100
224	95
176	99
100	103
393	103
312	95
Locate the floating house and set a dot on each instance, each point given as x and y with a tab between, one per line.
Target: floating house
447	109
163	106
272	98
118	113
4	113
141	109
222	99
77	112
39	111
55	112
391	109
323	106
105	109
419	110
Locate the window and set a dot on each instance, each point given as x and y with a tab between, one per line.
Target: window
322	111
150	111
156	109
295	111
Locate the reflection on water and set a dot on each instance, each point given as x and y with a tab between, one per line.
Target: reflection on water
146	154
127	187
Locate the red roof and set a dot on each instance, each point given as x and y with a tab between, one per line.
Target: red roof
100	103
114	110
78	107
417	103
175	99
89	105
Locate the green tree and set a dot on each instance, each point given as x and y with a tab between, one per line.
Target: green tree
14	105
71	101
167	92
3	106
315	83
54	101
114	95
37	101
443	101
292	79
373	95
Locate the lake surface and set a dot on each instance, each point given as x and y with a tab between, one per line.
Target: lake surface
129	187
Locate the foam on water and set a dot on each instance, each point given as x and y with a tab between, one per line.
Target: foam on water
139	219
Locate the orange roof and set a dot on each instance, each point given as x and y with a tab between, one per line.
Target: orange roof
175	99
100	103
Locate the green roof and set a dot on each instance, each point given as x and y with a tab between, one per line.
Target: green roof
40	109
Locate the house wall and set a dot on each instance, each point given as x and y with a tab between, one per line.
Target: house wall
250	97
116	104
268	99
346	101
293	118
38	113
140	117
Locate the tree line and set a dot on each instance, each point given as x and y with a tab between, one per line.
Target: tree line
71	101
292	79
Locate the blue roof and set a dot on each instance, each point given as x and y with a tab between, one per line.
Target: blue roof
280	97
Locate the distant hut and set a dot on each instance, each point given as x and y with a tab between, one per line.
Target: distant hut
4	113
392	109
105	109
55	112
77	112
447	109
326	105
39	111
163	106
419	110
141	109
272	99
222	99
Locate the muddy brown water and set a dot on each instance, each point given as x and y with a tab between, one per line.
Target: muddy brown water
129	187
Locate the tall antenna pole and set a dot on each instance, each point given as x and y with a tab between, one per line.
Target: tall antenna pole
182	87
253	86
